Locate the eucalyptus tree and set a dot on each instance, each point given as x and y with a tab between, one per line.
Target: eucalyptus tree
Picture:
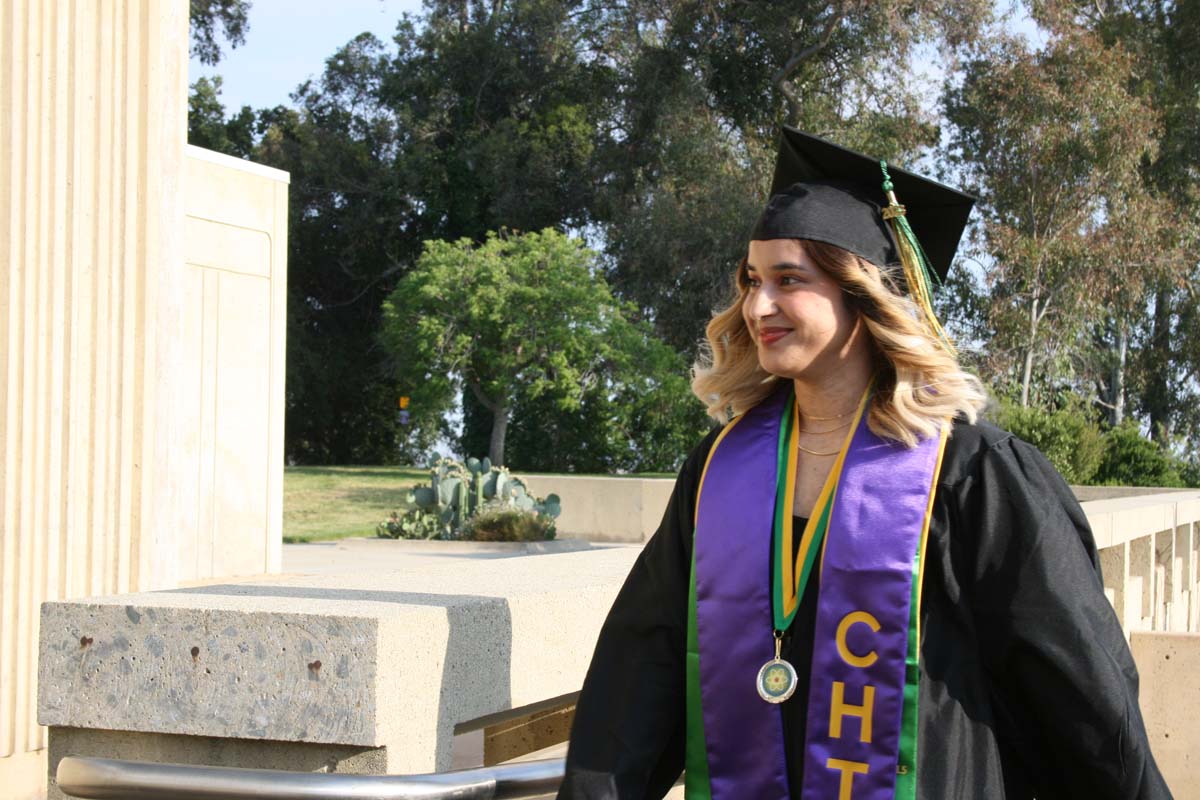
1046	138
1161	36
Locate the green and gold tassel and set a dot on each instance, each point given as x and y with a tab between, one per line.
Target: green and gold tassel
917	272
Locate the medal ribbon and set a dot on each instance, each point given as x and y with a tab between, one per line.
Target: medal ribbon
789	578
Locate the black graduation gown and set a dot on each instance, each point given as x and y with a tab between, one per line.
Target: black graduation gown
1027	689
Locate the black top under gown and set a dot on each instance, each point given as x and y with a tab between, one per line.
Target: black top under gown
1027	687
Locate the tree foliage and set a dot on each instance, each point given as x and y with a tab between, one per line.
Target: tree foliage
212	20
1161	36
208	126
1029	131
524	321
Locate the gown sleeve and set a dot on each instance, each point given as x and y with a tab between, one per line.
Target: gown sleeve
627	740
1065	684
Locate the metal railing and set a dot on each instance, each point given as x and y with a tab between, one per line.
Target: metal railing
110	779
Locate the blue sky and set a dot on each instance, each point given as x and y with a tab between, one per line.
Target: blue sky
288	42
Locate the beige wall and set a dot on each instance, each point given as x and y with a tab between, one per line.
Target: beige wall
602	509
229	370
123	465
1170	700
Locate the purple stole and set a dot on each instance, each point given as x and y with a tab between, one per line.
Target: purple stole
869	582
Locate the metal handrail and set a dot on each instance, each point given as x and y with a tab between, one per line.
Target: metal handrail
110	779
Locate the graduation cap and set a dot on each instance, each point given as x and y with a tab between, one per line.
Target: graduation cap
824	192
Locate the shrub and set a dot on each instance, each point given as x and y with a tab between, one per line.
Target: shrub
1131	459
1071	441
507	524
1190	473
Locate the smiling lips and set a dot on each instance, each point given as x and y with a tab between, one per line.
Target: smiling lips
770	335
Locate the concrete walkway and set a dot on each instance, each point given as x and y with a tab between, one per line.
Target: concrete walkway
382	555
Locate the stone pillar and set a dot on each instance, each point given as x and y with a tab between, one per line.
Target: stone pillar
93	104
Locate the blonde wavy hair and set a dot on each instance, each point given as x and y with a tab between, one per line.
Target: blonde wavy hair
918	381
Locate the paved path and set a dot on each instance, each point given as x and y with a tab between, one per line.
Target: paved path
378	555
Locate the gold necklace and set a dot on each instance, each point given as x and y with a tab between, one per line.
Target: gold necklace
830	430
827	419
818	452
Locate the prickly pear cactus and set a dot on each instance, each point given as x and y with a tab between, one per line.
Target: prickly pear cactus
456	492
550	507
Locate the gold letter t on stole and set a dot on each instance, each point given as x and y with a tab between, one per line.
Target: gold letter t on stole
849	769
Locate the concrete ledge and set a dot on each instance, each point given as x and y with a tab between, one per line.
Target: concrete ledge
369	546
603	509
1117	520
614	509
1170	701
392	660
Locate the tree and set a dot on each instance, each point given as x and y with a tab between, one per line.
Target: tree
394	146
1067	436
521	320
1046	137
206	16
208	126
1160	35
701	90
1138	245
498	114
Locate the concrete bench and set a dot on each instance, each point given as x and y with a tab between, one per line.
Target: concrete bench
368	673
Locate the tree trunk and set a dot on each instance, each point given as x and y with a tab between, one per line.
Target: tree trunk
1117	412
1027	372
499	429
1158	398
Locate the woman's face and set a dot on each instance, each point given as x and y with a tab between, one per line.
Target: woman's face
796	313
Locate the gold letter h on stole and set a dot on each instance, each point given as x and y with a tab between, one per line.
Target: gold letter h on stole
838	708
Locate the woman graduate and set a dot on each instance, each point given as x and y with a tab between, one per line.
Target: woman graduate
858	591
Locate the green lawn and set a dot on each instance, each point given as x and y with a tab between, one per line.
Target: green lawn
336	502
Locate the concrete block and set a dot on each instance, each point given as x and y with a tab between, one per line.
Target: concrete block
1170	700
386	660
181	670
604	509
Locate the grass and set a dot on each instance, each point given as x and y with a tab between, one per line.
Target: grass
321	503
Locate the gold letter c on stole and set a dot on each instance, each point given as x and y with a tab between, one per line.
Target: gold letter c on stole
844	650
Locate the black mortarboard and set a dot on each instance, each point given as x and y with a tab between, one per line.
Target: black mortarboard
830	194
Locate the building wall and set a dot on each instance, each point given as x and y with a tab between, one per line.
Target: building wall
125	464
228	415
